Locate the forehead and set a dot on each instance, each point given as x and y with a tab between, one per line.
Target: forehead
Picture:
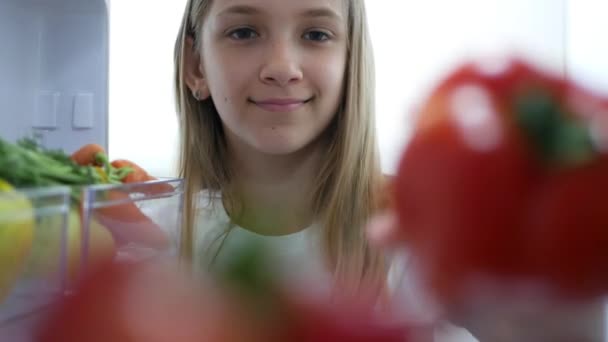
325	8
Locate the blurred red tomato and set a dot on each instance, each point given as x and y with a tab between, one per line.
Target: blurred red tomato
146	302
570	230
501	182
155	302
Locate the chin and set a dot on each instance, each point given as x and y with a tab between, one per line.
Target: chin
279	149
280	145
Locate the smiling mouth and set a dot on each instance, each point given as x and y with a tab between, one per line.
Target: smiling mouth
280	105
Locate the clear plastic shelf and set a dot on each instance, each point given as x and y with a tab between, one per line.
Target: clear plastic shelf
48	241
33	227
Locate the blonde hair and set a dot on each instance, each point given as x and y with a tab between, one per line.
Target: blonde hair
349	185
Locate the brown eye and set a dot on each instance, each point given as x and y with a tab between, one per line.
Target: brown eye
243	33
316	35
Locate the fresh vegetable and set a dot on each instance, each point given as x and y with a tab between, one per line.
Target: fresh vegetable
25	164
502	183
88	155
126	221
245	294
140	175
142	302
569	225
16	234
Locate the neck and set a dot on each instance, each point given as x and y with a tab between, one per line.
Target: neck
274	191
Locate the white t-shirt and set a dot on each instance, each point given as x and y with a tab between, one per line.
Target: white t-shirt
216	240
299	257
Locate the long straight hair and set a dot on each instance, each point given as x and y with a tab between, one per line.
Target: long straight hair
350	183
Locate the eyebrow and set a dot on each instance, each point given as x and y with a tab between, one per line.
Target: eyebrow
322	12
311	13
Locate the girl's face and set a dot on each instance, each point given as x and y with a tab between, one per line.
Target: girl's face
275	69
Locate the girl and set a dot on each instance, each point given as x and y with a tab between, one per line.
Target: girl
276	106
275	101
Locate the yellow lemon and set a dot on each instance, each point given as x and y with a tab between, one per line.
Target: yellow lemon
17	220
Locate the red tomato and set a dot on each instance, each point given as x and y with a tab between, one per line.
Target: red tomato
499	173
312	320
154	302
146	302
569	230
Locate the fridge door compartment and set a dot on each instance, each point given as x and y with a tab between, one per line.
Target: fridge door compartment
33	232
65	239
144	218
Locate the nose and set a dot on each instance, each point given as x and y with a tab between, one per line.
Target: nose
281	67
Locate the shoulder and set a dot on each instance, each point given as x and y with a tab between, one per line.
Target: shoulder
210	212
210	224
207	198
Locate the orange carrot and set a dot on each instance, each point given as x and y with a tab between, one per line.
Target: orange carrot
86	154
129	224
140	175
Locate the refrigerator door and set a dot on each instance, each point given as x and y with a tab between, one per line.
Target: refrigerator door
54	71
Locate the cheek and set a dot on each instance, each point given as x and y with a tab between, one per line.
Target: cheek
225	73
222	81
331	73
332	77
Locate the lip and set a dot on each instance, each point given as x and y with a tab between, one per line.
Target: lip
280	104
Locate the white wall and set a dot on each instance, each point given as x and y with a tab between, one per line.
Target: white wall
587	45
142	122
587	51
415	42
418	41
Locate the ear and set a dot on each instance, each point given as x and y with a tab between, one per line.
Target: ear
193	71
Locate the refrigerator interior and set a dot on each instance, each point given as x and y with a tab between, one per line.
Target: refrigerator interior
54	88
54	71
